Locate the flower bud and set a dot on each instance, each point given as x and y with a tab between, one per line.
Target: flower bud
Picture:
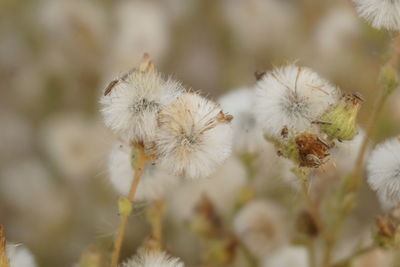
388	79
341	118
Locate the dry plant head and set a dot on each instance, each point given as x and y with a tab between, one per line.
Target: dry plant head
312	150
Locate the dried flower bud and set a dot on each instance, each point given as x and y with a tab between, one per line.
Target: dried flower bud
312	150
341	118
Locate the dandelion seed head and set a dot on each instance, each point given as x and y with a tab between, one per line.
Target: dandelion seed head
292	96
259	226
20	256
381	14
247	134
194	136
383	168
152	259
131	107
154	184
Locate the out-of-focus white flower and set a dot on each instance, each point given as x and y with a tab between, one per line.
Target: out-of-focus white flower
19	256
258	23
339	26
292	96
75	144
382	14
288	257
221	188
140	27
152	259
260	226
383	168
345	153
131	108
194	136
154	183
247	134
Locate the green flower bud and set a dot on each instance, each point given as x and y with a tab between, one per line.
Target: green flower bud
388	78
339	122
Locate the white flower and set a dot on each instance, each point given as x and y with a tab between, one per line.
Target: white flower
292	96
247	134
154	183
260	227
289	256
382	14
152	259
383	168
19	256
194	136
131	107
221	188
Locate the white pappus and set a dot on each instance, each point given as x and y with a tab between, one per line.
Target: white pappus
381	14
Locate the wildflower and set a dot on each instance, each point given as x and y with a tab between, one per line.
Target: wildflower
155	181
340	120
259	226
247	134
382	14
152	259
287	257
194	136
130	104
20	256
293	97
384	172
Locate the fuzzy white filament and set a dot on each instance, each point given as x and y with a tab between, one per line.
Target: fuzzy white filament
382	14
292	96
130	109
384	172
247	133
194	136
155	181
152	259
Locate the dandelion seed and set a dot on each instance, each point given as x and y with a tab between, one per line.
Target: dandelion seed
247	134
382	14
155	181
152	259
292	96
194	136
131	107
383	168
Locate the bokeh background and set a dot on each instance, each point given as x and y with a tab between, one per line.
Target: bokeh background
57	56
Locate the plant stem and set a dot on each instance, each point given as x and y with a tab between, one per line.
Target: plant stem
142	159
155	217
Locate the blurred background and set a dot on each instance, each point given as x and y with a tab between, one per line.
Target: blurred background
57	56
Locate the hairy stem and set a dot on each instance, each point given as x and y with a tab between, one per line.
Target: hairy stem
142	159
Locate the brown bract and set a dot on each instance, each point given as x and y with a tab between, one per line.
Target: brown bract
312	150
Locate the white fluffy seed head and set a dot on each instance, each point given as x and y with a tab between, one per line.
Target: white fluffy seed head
259	226
130	109
288	257
292	96
152	259
381	14
19	256
247	134
155	182
383	168
194	136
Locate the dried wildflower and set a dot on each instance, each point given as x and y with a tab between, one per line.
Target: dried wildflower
152	259
194	136
384	172
155	181
131	104
312	150
382	14
341	118
287	257
247	134
259	225
292	96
